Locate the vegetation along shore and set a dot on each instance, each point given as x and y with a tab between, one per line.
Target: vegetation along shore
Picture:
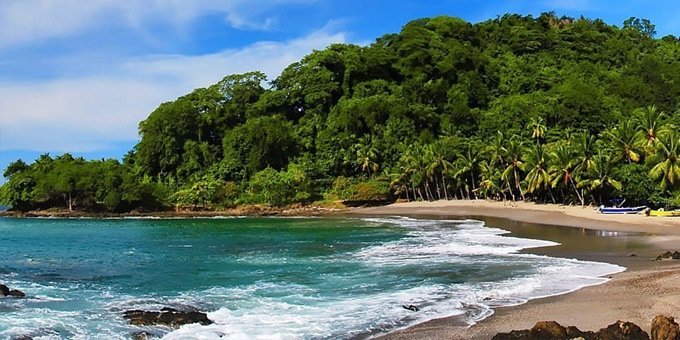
544	109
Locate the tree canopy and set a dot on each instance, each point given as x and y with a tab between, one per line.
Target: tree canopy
545	108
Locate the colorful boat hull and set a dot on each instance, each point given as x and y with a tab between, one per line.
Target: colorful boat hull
663	213
626	210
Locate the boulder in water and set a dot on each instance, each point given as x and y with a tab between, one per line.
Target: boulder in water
166	316
5	291
411	308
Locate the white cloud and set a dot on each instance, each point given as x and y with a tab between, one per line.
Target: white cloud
91	112
33	21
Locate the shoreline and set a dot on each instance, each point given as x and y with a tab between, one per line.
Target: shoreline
638	294
249	210
645	289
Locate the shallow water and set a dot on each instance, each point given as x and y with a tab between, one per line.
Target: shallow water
285	278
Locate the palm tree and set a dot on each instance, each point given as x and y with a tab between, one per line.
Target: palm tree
600	176
413	168
439	164
469	161
650	123
496	149
366	156
514	152
537	129
431	167
537	177
491	181
561	168
584	147
667	161
624	138
400	179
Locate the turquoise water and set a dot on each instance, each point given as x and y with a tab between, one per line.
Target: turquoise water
286	278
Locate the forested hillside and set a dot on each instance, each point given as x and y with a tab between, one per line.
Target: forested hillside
548	108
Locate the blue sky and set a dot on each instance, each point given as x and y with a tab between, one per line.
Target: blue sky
78	76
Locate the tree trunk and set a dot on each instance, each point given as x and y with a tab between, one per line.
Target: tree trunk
436	183
519	187
551	195
446	194
472	179
70	202
512	194
428	193
580	198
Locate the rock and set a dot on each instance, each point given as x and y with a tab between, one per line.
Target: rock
543	330
166	316
514	335
665	255
622	331
632	255
142	336
16	293
668	255
665	328
548	330
575	333
5	291
411	308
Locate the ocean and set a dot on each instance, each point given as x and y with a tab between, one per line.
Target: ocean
269	278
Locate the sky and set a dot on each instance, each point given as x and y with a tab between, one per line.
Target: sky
78	76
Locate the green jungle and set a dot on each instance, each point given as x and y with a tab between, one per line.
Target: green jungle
545	109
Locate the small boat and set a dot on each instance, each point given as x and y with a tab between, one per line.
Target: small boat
621	210
664	213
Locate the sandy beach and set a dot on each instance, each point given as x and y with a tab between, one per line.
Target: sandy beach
647	288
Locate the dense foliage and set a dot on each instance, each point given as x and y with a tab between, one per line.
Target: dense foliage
550	109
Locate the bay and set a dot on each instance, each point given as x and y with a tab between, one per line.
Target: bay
287	278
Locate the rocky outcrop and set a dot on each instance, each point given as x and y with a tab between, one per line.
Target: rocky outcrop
548	330
551	330
574	333
622	330
665	328
5	291
166	316
669	256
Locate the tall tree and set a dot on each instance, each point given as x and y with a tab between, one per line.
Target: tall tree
666	161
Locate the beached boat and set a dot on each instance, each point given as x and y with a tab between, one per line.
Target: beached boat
664	213
621	210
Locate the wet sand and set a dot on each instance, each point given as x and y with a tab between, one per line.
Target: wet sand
647	288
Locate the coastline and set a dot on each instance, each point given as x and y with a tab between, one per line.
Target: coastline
647	288
638	294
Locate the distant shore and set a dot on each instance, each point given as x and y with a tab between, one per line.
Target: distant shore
645	289
250	210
